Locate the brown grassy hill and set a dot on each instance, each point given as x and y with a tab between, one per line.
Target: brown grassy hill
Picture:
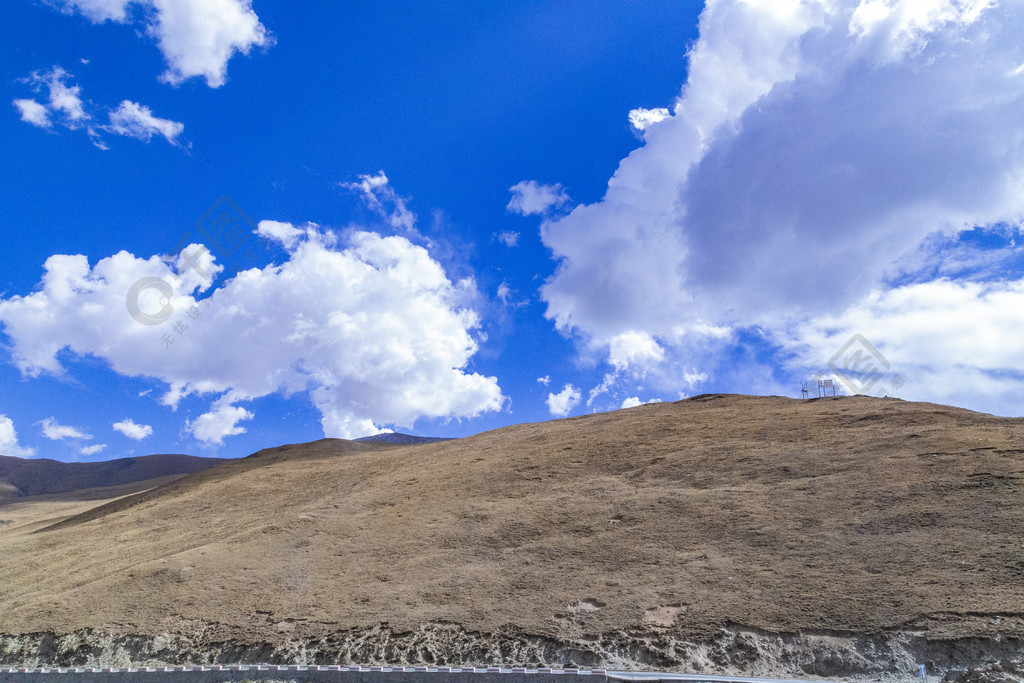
621	533
31	513
40	476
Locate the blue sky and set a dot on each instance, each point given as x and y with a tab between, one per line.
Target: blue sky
453	217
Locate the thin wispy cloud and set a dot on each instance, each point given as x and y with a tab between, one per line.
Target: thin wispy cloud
63	106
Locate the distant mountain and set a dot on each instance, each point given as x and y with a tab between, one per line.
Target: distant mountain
401	439
21	477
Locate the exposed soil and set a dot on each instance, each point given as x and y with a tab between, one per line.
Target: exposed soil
730	534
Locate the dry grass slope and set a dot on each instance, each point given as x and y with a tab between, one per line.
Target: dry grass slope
846	514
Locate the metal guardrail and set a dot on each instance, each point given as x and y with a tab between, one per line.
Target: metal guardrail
351	674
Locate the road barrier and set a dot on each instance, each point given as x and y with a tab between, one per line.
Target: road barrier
357	674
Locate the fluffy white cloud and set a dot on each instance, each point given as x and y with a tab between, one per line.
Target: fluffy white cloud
196	37
56	431
93	449
814	145
642	119
285	233
129	428
372	328
941	341
134	120
380	196
66	107
634	401
634	350
561	403
221	422
34	113
545	380
530	197
9	440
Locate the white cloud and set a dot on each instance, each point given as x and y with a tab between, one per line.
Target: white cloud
285	233
221	422
34	113
943	341
545	380
134	120
63	101
66	107
99	10
56	431
633	401
380	196
509	238
372	328
815	145
9	440
642	119
93	449
530	197
561	403
196	37
634	350
129	428
504	293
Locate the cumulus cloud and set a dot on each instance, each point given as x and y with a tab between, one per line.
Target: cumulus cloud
561	403
9	440
65	107
814	146
221	422
642	119
134	120
634	401
56	431
634	350
942	340
530	197
129	428
196	37
93	449
545	380
370	326
380	196
285	233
